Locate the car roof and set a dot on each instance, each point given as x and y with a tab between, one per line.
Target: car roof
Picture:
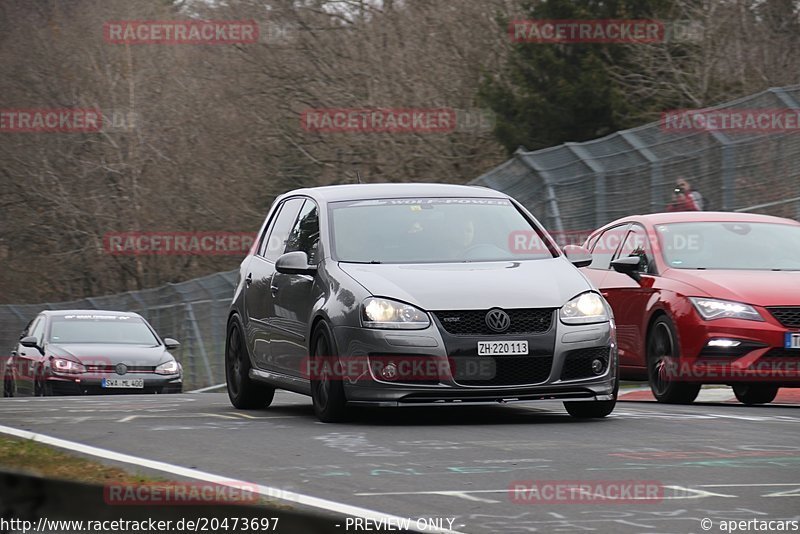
61	313
336	193
702	216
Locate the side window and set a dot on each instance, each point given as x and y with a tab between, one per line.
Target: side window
38	331
275	243
263	239
27	328
605	245
305	234
637	244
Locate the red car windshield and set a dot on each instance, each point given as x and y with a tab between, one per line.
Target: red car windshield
730	245
101	329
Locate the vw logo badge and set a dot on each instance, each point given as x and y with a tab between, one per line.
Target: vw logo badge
498	321
121	368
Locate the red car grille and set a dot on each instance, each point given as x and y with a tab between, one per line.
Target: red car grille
788	317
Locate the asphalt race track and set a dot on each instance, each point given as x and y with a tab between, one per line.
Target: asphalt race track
712	460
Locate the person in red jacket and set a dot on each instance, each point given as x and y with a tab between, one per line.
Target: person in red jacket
684	198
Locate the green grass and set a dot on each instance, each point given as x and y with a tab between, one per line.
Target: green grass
27	456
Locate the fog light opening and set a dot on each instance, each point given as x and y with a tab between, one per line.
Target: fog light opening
389	372
598	366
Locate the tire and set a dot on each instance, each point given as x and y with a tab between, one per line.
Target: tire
327	392
751	394
663	353
594	409
243	392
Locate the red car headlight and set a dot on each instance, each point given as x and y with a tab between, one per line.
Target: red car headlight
64	366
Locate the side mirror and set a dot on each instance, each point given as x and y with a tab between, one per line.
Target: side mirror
578	256
628	265
295	263
171	343
29	341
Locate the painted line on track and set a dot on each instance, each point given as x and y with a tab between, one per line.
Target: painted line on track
267	491
209	388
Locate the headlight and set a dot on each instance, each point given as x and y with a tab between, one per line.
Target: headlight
385	313
60	365
710	309
167	368
584	309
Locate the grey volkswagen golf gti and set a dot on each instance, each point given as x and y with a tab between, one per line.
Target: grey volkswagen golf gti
416	294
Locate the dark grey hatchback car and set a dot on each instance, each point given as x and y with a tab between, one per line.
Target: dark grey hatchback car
416	294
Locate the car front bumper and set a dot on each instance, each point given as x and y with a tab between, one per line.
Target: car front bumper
93	384
760	356
559	376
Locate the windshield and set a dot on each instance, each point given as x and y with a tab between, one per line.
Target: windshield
730	245
433	230
114	329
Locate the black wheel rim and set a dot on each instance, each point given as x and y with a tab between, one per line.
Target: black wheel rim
662	350
323	382
234	361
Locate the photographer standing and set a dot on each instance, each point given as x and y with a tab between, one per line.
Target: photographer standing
684	198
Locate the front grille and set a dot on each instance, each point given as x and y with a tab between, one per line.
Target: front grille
788	317
578	363
514	370
113	369
473	322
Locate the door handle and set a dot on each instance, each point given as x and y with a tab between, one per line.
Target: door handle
273	289
249	279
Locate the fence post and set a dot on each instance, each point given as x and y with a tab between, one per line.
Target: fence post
728	179
600	193
656	169
196	335
547	180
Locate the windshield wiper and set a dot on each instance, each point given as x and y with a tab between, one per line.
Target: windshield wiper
370	262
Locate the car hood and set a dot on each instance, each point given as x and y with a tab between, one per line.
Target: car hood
548	283
760	288
111	354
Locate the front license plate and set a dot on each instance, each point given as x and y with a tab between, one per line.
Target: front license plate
133	383
792	340
502	348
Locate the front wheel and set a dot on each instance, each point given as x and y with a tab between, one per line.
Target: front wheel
243	392
663	356
327	389
751	394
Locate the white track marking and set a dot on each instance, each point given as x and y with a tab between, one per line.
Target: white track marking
209	388
267	491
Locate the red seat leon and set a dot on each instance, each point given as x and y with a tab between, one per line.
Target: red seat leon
703	298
